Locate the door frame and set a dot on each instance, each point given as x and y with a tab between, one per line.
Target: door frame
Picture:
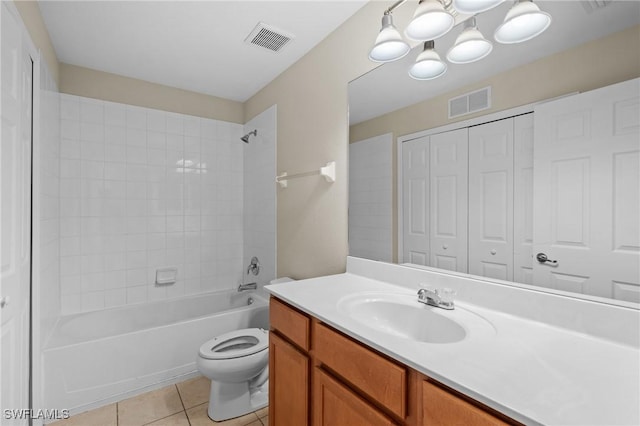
35	55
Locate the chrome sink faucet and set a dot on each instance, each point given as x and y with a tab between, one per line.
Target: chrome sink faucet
440	298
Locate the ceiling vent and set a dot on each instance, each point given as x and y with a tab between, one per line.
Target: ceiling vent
592	5
269	37
470	102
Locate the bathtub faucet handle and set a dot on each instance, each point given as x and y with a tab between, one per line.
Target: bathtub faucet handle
254	266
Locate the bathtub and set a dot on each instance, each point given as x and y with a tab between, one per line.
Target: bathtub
96	358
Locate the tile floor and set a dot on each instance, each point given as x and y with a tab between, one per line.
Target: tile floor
182	404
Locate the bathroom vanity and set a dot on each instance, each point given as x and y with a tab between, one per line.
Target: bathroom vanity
357	348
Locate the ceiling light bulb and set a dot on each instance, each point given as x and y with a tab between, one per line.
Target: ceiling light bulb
430	21
389	45
470	46
428	64
523	22
473	7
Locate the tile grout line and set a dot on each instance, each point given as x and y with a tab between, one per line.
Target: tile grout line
184	407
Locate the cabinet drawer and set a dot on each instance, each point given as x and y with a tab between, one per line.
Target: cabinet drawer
383	380
337	405
442	408
289	322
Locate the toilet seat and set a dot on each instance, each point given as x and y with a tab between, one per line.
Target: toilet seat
235	344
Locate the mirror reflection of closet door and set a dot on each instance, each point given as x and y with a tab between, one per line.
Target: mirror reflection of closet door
587	192
491	199
415	196
523	199
448	200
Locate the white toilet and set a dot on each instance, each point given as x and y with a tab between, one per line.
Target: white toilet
237	363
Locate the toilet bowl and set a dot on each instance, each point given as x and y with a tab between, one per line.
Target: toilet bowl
237	365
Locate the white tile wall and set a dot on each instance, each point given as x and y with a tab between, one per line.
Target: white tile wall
142	189
260	196
370	198
47	209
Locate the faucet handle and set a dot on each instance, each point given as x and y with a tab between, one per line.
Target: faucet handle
446	295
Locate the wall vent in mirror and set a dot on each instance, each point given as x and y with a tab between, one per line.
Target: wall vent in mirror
592	5
468	103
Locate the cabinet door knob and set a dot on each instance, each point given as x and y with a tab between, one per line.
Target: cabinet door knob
493	252
444	246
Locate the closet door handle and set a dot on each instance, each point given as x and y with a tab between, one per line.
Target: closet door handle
542	258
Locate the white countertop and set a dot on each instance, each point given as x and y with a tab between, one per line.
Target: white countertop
534	372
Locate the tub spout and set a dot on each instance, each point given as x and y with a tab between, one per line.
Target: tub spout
249	286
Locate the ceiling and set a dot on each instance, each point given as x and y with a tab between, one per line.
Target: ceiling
389	87
192	45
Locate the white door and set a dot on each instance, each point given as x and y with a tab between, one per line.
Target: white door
491	200
15	215
523	199
448	200
587	192
415	204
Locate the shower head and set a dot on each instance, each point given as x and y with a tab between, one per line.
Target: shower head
245	138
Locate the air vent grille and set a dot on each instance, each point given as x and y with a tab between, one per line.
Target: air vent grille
592	5
268	37
470	102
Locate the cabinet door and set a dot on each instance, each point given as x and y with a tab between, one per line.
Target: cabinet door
448	180
288	384
491	200
336	405
415	201
441	408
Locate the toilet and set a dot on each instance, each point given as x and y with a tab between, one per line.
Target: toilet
237	363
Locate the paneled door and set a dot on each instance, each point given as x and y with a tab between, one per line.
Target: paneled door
415	201
587	192
448	200
523	199
491	200
15	214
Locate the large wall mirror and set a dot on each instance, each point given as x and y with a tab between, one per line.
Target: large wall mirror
544	192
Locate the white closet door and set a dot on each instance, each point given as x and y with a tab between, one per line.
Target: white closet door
491	200
15	214
448	181
587	192
415	204
523	199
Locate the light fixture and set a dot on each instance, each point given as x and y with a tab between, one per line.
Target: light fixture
470	46
428	64
472	7
389	45
523	22
430	21
434	18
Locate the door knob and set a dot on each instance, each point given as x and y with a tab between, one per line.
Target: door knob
542	258
4	302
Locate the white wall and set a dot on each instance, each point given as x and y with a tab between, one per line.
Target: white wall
260	196
370	202
143	189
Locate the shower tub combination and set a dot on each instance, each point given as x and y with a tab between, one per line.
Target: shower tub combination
95	358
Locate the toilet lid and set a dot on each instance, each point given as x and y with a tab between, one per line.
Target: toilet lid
235	344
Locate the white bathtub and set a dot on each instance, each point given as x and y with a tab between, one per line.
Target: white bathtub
95	358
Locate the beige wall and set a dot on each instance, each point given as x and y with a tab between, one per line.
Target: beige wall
313	129
596	64
90	83
30	13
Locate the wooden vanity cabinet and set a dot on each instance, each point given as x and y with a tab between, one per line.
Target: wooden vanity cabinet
321	377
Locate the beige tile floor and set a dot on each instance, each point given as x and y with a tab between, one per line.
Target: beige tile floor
182	404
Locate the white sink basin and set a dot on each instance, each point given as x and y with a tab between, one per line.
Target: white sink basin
401	315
